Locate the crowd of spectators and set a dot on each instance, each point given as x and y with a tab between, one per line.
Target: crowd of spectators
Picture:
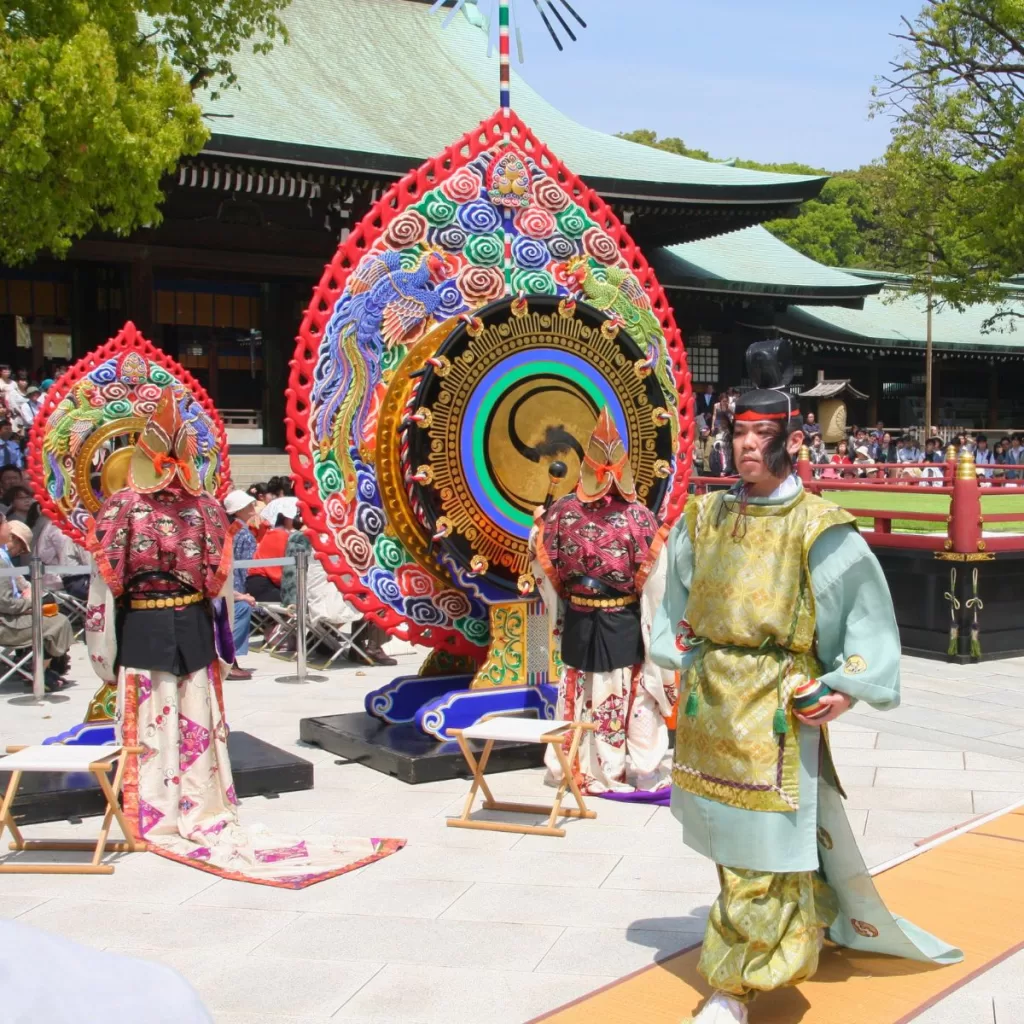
862	453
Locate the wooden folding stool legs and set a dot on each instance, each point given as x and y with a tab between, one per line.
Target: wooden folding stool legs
58	759
521	730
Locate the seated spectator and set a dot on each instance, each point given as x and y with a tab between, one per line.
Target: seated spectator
22	506
1015	457
841	458
10	476
55	549
984	457
908	450
938	450
16	401
863	463
702	451
879	432
818	453
10	450
16	616
720	459
31	406
240	508
264	582
325	603
884	450
812	428
722	422
256	492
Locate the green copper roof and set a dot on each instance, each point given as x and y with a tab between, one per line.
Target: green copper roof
897	319
378	84
753	262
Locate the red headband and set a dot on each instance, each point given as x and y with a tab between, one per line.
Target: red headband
753	416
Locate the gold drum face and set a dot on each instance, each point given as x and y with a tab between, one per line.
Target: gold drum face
535	423
508	393
101	467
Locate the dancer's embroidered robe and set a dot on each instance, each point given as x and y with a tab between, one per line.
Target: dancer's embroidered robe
168	665
607	677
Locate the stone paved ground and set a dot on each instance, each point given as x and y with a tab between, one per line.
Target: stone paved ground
490	927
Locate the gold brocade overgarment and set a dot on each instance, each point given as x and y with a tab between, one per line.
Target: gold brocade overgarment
751	609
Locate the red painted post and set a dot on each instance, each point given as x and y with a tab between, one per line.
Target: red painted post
803	465
950	467
965	508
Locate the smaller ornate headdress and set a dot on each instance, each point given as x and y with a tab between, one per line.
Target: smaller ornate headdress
606	463
167	448
770	368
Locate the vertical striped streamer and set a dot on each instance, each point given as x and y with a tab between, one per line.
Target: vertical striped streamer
503	53
506	110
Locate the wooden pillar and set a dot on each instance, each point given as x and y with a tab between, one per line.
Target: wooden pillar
278	346
141	294
992	423
873	395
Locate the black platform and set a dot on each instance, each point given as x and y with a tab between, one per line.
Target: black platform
405	752
259	769
918	582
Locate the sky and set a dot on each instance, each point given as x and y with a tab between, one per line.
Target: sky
776	82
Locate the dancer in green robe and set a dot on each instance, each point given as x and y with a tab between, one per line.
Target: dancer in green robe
779	618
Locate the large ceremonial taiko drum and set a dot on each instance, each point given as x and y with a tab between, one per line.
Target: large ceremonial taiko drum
466	335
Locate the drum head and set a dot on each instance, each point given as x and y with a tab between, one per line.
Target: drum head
509	392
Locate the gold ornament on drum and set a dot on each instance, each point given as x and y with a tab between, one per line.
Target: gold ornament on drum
101	466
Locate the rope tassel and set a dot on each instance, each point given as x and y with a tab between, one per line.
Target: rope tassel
976	605
954	607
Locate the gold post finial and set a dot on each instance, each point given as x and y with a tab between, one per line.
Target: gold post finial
965	468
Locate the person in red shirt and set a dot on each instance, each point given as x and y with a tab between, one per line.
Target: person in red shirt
264	581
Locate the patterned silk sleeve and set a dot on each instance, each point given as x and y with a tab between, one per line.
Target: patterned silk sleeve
858	639
218	550
670	630
109	539
551	521
644	530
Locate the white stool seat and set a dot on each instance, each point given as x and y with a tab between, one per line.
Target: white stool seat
515	730
56	757
59	758
522	730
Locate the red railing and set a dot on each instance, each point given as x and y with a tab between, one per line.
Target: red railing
964	522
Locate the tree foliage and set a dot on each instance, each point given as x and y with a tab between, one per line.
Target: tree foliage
837	228
96	105
955	168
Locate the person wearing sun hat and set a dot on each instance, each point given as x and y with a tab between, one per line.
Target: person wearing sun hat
594	549
240	506
158	625
16	613
778	616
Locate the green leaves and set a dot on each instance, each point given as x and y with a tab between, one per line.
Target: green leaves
94	112
954	172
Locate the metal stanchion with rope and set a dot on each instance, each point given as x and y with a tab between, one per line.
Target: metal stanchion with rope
35	578
301	568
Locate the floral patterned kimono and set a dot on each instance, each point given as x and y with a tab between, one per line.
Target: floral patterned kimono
155	603
607	678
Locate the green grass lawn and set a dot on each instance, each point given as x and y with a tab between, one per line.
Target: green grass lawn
990	504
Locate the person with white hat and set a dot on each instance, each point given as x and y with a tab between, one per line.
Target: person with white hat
240	507
16	613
